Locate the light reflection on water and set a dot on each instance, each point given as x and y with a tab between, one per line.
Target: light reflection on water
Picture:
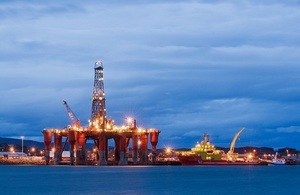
149	180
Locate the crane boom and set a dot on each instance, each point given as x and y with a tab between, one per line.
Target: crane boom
231	150
74	120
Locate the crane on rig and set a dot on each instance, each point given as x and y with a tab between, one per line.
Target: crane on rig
75	123
230	154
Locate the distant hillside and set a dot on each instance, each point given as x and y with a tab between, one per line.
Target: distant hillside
27	143
31	143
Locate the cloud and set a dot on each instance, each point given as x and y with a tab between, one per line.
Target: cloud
291	129
181	66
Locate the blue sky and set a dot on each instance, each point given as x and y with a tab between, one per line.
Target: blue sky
184	67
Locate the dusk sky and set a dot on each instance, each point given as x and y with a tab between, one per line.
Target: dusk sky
184	67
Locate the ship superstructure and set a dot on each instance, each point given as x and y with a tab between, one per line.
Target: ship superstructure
205	153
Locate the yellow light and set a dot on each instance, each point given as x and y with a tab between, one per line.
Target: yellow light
168	150
250	156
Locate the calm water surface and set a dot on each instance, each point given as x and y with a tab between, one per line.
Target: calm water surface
149	180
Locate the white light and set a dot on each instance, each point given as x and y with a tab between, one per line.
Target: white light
129	120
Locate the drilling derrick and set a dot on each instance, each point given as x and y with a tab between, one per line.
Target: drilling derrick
98	117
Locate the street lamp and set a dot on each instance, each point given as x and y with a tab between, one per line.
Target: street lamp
33	151
22	138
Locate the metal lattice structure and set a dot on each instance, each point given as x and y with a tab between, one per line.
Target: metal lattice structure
98	117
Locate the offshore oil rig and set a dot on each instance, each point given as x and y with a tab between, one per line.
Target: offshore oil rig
100	130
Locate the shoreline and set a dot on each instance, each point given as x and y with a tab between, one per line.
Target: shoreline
23	161
28	161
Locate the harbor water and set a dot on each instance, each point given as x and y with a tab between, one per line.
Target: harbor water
149	180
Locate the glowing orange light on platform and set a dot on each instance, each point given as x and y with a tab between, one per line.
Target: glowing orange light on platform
168	150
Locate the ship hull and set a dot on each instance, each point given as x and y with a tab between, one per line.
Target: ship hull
196	160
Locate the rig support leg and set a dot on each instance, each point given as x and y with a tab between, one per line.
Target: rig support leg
102	149
135	149
72	135
122	141
143	149
47	142
47	157
154	141
72	157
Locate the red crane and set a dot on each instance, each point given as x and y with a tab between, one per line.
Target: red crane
74	120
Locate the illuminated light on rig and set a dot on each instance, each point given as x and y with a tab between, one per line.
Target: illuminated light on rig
250	156
99	62
129	121
139	142
168	150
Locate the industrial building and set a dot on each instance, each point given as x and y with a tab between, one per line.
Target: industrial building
100	130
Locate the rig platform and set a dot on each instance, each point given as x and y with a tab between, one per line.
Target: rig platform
100	130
